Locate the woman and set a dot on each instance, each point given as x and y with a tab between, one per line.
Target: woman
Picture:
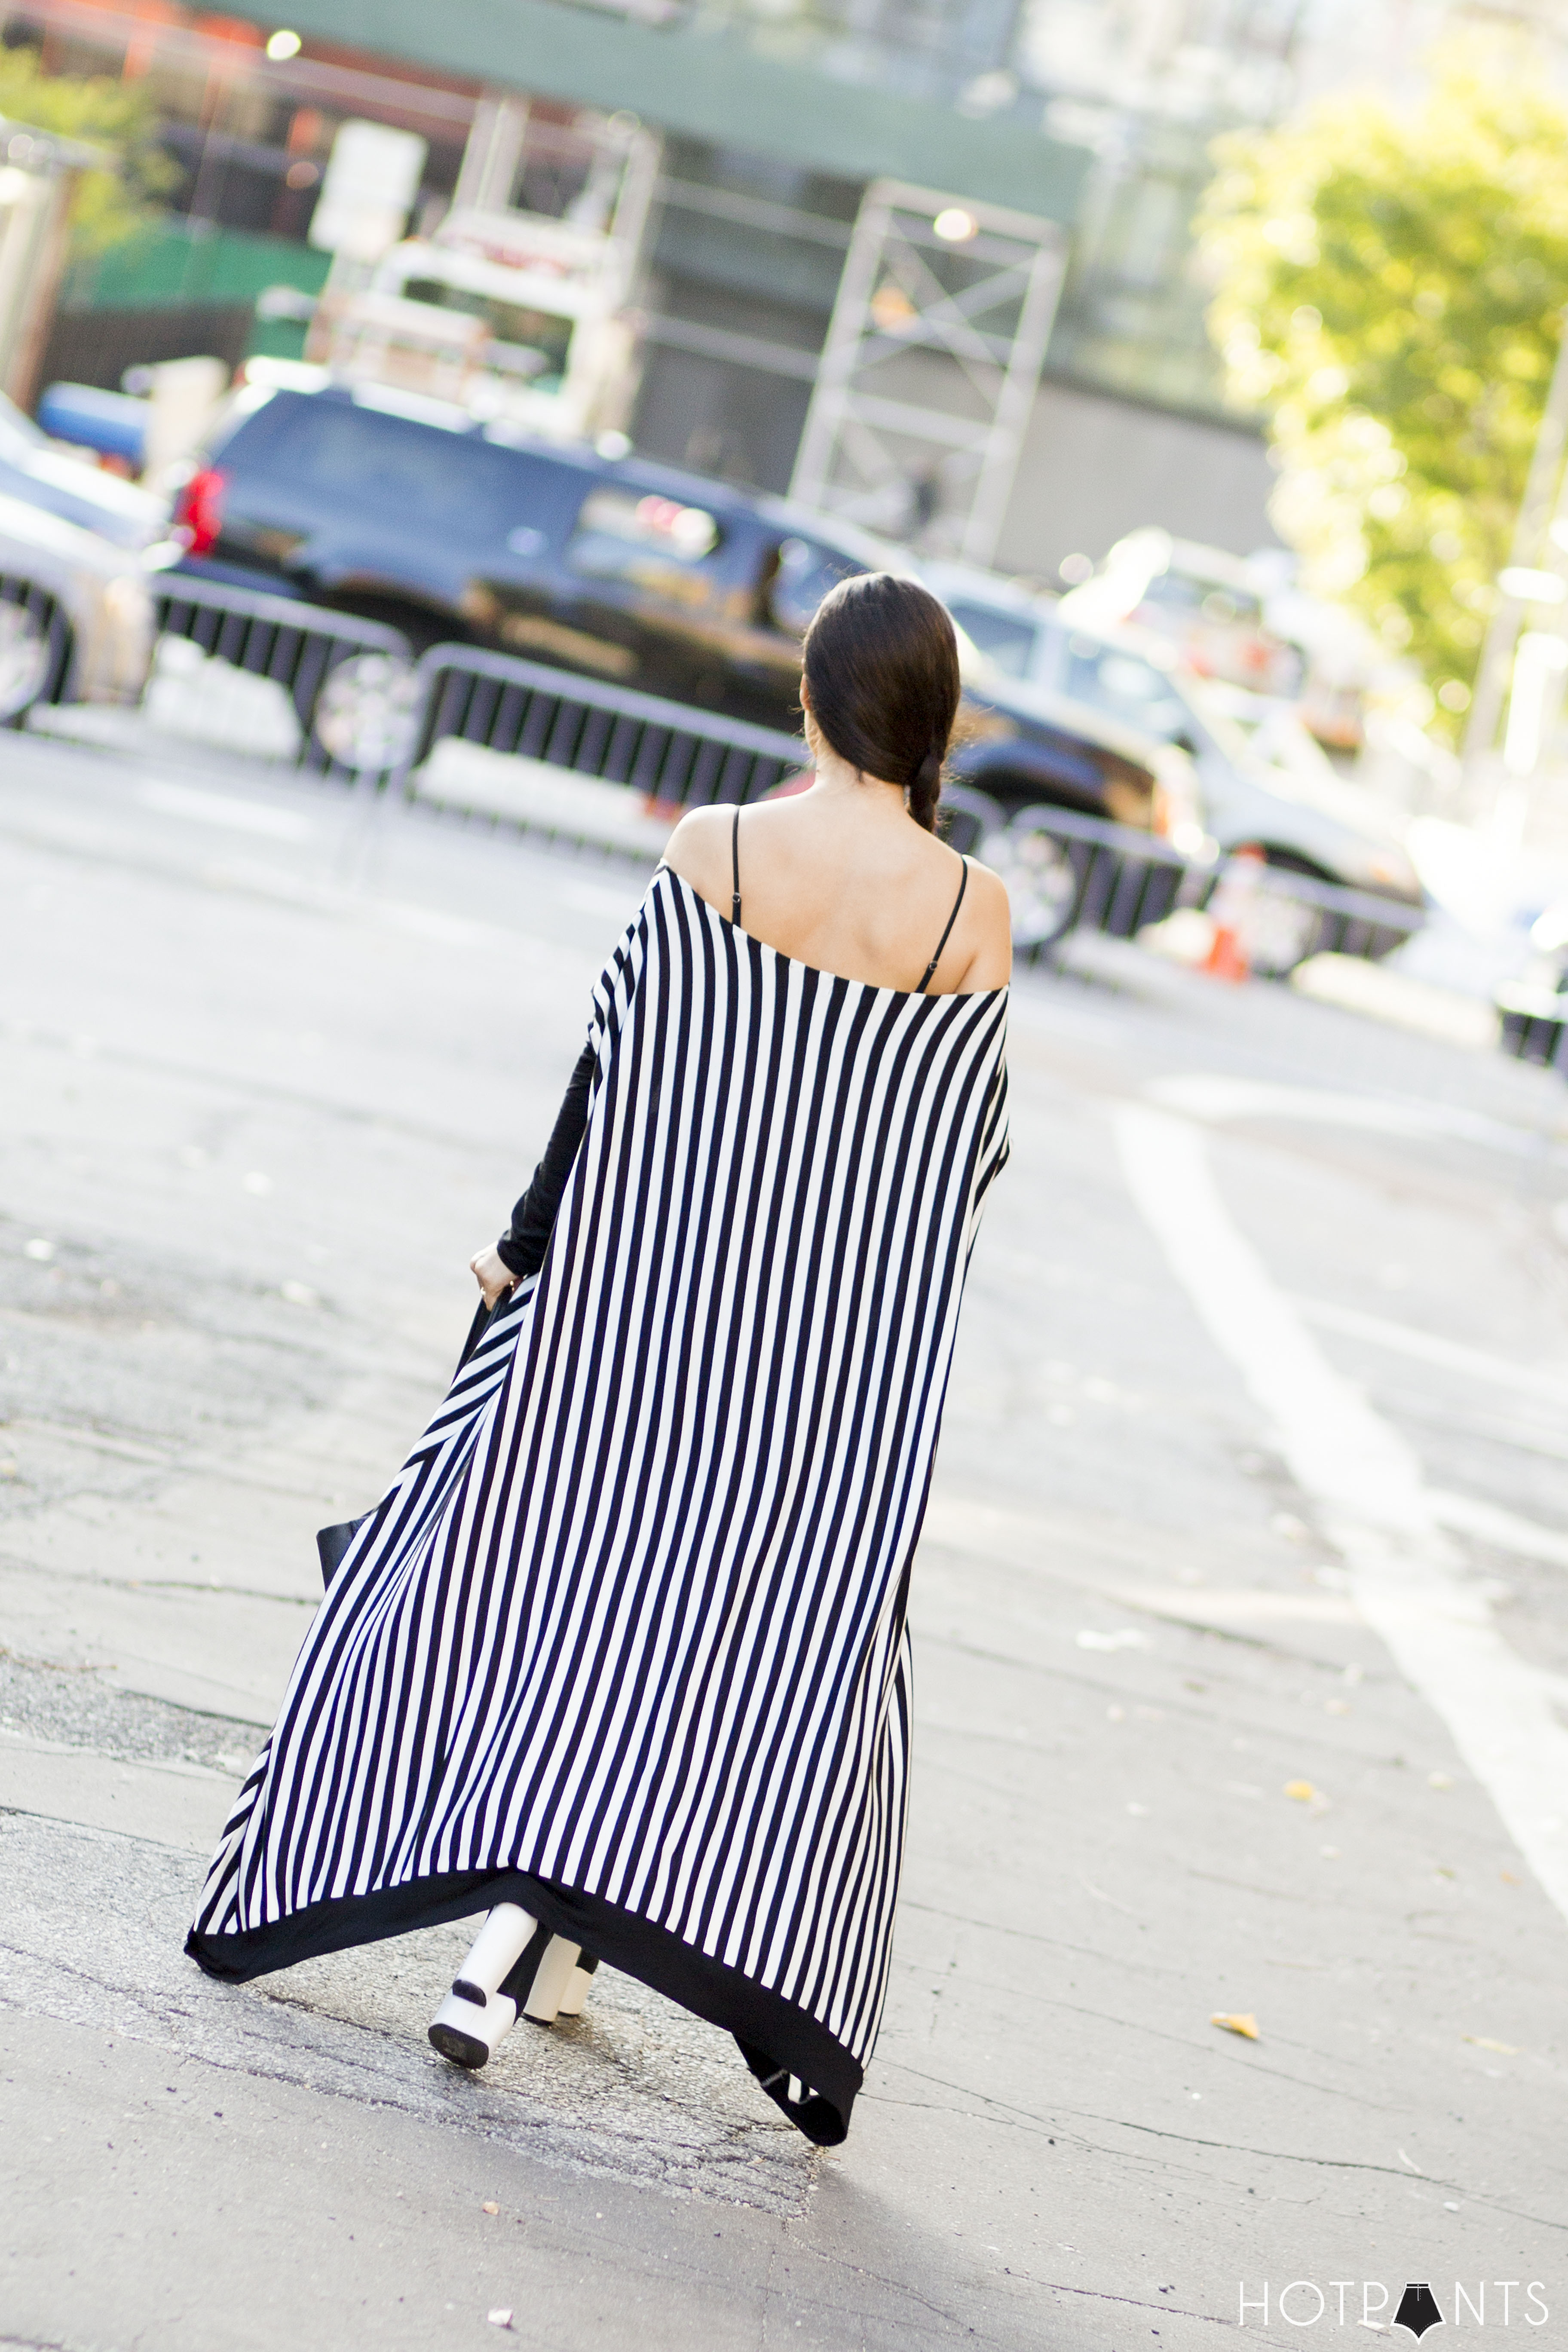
621	1657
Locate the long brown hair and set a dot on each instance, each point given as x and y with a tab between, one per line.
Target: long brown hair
881	665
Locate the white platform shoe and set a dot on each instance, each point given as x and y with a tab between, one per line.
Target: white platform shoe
476	2016
575	2000
514	1968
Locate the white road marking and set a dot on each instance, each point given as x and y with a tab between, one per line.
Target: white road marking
230	812
1208	1604
1406	1578
1055	1547
1505	1530
1425	1348
1200	1096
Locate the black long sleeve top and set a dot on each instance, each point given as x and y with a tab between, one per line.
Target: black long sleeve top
521	1248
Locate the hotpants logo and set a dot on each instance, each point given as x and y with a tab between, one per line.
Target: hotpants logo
1418	2311
1365	2302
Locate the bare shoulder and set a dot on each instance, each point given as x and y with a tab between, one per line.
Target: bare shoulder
988	891
987	930
698	849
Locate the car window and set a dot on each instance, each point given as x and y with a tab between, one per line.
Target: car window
1172	592
411	476
1094	772
806	572
648	539
1007	638
1216	730
1178	591
1108	680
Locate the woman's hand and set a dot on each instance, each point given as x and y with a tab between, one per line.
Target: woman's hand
494	1277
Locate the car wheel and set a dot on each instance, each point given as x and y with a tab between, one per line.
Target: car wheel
970	821
365	714
23	659
1042	883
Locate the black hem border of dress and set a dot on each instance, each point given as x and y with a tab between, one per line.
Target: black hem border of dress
777	2039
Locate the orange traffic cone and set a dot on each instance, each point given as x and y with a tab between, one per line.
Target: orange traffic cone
1225	959
1230	907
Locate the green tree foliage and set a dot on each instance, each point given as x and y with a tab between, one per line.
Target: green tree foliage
113	204
1390	290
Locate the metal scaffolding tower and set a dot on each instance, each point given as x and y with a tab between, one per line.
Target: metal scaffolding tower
928	376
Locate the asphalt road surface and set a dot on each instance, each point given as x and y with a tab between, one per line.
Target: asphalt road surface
1240	1630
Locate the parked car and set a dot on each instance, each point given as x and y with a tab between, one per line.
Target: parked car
1262	780
1243	620
76	612
1210	605
38	474
393	506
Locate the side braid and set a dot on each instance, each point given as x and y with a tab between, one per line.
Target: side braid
925	790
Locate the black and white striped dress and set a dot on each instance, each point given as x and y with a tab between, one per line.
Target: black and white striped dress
625	1642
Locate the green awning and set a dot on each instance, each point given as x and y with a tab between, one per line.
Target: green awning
747	90
169	264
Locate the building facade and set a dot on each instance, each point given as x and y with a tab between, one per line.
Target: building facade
772	119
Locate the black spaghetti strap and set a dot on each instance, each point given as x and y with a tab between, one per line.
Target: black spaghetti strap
962	886
735	861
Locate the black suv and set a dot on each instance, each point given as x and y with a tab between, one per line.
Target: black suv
381	504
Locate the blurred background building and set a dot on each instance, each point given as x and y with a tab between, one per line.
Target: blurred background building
761	124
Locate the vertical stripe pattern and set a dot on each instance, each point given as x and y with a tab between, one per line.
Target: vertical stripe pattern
632	1617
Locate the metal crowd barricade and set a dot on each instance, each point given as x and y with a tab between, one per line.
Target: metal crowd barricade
565	735
670	753
1111	878
579	759
1348	922
294	646
1532	1024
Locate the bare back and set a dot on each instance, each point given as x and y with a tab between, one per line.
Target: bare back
844	880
